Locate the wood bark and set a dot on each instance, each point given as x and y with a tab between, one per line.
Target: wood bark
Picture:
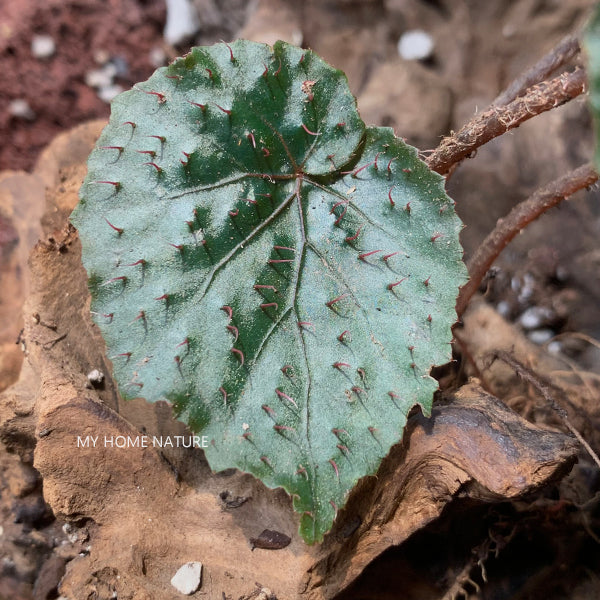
145	512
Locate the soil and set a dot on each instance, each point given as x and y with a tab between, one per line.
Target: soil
96	525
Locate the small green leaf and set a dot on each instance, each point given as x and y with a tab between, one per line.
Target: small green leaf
283	276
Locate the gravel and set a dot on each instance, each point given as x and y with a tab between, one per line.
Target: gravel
95	377
534	317
415	44
42	46
188	577
108	92
20	109
182	21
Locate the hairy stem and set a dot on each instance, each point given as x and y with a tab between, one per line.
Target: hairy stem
562	53
499	119
518	218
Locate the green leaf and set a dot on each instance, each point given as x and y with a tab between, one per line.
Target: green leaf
284	277
591	44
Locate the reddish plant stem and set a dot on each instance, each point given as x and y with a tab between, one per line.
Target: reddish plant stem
518	218
497	120
562	53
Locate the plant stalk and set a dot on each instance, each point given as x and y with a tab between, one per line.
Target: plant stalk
497	120
518	218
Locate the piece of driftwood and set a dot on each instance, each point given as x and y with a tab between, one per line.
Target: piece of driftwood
148	511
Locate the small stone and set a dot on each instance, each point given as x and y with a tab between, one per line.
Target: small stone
562	273
188	577
554	347
73	537
415	45
229	501
42	46
541	336
265	594
527	289
270	540
509	30
98	78
20	108
95	377
157	57
503	308
182	21
101	57
108	93
535	316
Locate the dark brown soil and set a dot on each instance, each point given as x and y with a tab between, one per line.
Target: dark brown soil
55	87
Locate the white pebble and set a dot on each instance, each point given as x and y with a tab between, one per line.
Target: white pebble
73	537
509	30
42	46
528	288
187	579
98	78
182	21
109	92
20	108
562	273
157	57
503	308
95	376
533	317
541	336
554	347
415	45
